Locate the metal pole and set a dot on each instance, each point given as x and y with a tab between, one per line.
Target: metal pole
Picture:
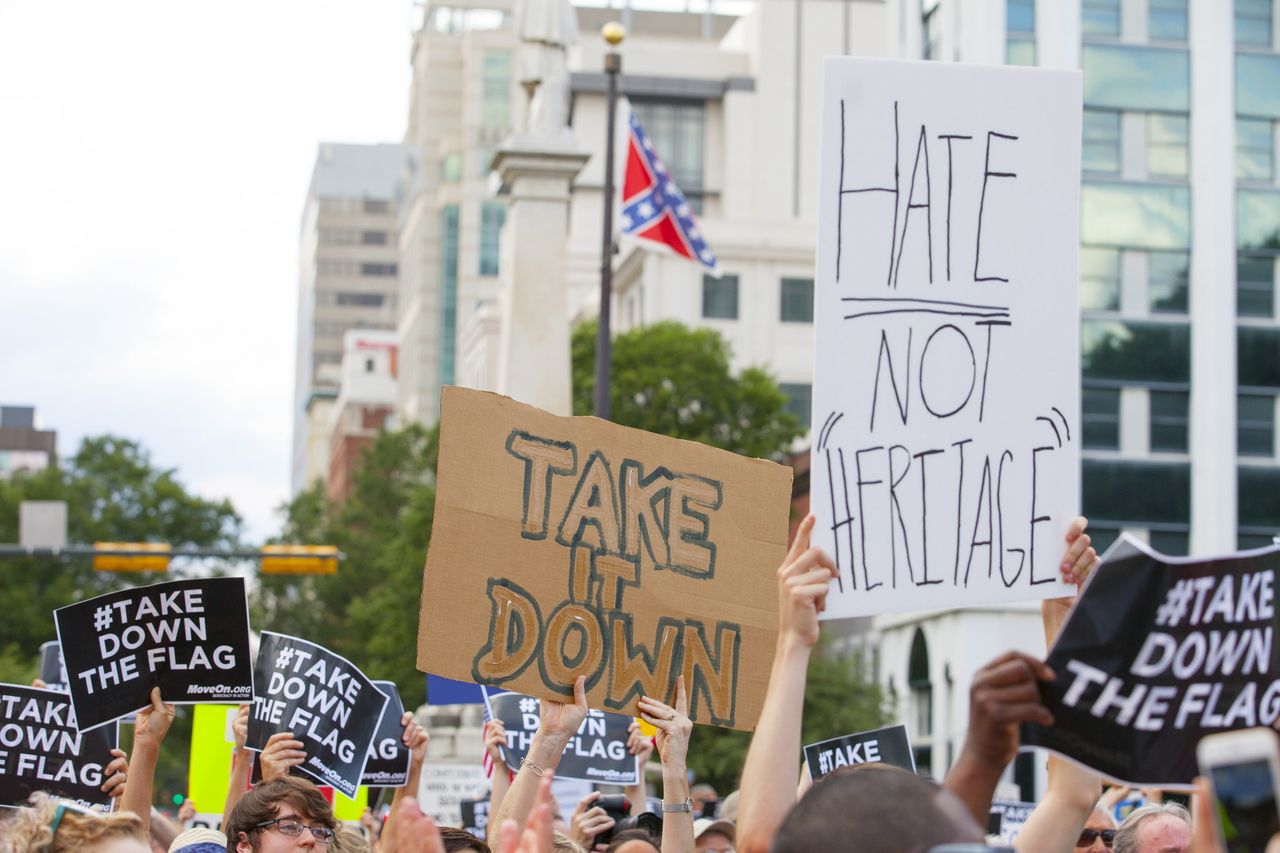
604	344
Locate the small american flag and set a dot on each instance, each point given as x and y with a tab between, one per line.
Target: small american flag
486	760
653	208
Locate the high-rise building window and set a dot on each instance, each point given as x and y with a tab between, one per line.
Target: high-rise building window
1255	285
799	400
1143	216
1135	77
1258	356
364	300
451	168
1169	421
1255	424
374	238
1167	20
492	215
1020	17
1100	17
1253	22
448	292
1255	150
378	269
1099	279
1258	85
1168	140
496	106
1174	543
1101	152
1100	413
1115	351
373	205
797	300
676	130
720	297
1258	219
1168	275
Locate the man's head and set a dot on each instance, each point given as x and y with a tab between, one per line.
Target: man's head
713	836
1155	829
701	794
878	809
265	817
1092	839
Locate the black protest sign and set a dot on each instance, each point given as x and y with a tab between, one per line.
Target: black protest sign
475	816
53	670
888	745
388	764
190	638
42	749
323	699
1157	653
1007	819
597	753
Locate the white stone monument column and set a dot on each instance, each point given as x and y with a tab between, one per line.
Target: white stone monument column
533	348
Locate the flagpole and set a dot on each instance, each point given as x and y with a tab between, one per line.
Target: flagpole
613	33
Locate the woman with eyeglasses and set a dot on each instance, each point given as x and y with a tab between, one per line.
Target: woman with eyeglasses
55	826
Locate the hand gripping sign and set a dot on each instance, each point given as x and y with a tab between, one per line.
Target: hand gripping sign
323	699
43	749
597	753
388	765
190	638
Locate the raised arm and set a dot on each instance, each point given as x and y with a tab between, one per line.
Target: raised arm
148	733
416	739
641	747
770	775
495	737
241	763
560	722
674	728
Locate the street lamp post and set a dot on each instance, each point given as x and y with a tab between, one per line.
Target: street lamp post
613	33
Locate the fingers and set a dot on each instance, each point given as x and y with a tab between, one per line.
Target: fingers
811	559
580	693
1012	667
801	543
682	699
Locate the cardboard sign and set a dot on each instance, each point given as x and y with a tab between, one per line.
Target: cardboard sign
388	764
1007	819
888	745
43	749
946	447
597	753
324	699
190	638
53	670
1157	653
572	546
475	816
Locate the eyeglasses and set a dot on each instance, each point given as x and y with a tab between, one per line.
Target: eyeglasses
61	810
716	850
293	827
1087	836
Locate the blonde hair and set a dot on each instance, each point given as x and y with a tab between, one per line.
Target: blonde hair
28	831
562	843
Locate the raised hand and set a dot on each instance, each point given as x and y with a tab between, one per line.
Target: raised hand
589	820
803	581
495	738
415	737
153	722
673	725
282	752
115	774
562	720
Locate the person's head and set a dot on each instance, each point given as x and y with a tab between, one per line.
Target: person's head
713	836
701	794
266	816
199	840
460	841
633	841
562	843
352	840
54	826
909	814
1165	828
1098	833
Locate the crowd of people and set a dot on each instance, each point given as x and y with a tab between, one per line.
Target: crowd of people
866	807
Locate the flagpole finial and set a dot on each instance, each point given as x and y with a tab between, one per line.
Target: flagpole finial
613	33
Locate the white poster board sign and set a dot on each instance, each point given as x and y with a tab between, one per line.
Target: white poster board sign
946	436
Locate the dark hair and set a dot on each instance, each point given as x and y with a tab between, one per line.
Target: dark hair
887	810
459	839
264	801
630	835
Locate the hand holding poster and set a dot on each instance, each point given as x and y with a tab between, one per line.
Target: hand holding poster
53	670
572	546
947	371
43	749
888	745
598	753
1157	653
388	764
190	638
323	699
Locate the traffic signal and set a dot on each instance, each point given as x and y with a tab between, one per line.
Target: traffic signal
299	559
131	556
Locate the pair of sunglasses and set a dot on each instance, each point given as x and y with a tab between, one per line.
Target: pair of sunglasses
1087	837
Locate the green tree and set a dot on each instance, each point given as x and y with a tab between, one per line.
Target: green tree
114	493
673	380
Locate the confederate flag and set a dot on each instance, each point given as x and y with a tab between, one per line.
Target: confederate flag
653	208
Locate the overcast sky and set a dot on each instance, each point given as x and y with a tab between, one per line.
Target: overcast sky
154	158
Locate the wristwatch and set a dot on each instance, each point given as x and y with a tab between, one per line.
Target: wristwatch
686	806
